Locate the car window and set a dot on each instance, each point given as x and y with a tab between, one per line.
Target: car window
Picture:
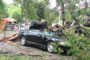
50	34
35	32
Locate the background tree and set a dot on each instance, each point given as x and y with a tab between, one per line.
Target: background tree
17	16
3	12
61	3
28	9
40	11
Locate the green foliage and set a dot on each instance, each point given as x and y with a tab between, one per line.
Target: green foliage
12	9
8	57
14	12
17	16
55	45
40	10
28	9
73	12
32	12
16	2
56	49
80	46
3	12
32	9
50	16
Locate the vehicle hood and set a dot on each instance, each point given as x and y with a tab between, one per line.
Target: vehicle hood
56	39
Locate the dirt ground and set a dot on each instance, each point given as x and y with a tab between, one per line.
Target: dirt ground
15	48
30	50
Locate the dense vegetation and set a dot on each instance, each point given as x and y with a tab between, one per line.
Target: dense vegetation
80	46
3	12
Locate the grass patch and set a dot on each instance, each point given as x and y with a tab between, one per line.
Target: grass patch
19	57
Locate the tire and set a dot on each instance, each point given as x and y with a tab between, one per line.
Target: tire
23	41
52	47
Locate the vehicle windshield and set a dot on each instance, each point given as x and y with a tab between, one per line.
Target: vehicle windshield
50	34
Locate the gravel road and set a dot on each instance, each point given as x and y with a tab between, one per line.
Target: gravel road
30	50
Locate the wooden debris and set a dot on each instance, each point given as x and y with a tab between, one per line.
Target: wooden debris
11	37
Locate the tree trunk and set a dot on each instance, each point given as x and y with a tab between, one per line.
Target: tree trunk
62	13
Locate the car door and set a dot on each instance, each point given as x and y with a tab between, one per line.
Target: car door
31	35
40	38
35	36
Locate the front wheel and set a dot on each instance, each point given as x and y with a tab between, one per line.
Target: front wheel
23	41
52	47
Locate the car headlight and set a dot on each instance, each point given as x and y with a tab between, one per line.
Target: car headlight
55	39
62	43
65	43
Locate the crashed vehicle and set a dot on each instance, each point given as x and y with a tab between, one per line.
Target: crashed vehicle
45	39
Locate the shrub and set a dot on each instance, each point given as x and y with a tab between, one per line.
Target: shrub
80	46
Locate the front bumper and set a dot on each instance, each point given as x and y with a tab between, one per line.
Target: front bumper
65	48
64	45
